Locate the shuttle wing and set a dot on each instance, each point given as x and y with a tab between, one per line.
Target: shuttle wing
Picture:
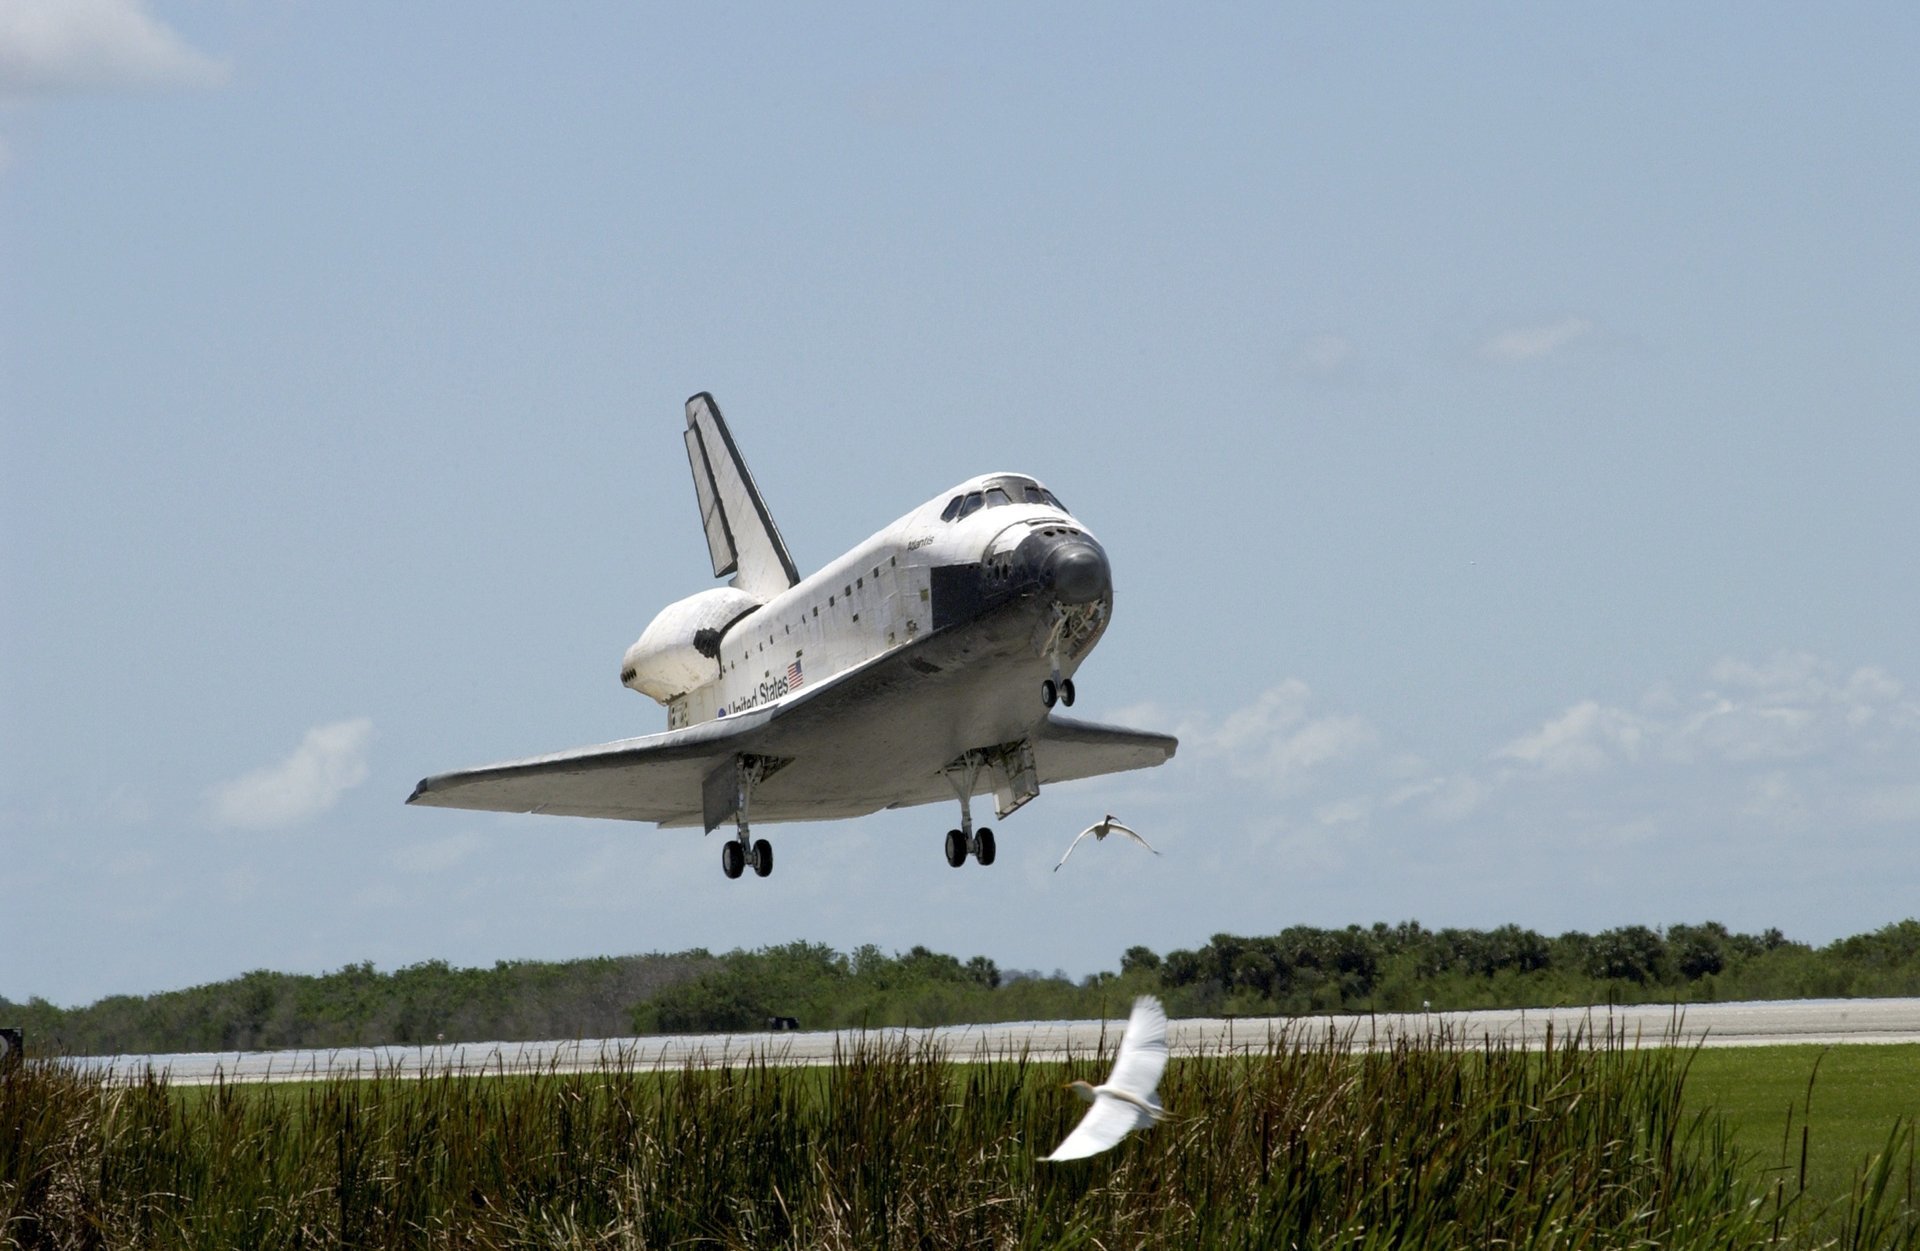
741	536
878	736
654	778
1065	750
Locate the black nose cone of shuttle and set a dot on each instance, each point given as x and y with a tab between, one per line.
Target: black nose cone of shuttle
1077	570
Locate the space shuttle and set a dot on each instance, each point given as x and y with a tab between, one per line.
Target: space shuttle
924	665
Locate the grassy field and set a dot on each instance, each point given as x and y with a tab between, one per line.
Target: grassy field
1840	1103
1591	1145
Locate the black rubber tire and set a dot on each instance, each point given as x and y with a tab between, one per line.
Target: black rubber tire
1066	691
985	854
733	860
763	857
956	848
1049	693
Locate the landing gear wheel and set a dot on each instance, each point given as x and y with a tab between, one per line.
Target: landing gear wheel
983	852
956	848
763	857
1066	691
1049	693
733	858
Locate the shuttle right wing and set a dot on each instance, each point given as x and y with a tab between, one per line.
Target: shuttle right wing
1066	750
741	536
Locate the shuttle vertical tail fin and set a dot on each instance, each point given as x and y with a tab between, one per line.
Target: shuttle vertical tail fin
741	536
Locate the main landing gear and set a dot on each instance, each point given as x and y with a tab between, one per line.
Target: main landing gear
966	840
742	850
738	853
959	844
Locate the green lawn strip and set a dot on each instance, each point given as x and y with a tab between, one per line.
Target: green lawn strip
1857	1093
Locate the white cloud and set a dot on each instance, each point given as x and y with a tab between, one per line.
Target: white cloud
1527	343
1277	739
69	45
330	761
1753	774
1445	798
1344	812
1584	739
1791	707
1324	356
1891	805
436	856
1775	798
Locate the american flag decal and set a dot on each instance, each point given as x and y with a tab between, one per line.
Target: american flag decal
794	677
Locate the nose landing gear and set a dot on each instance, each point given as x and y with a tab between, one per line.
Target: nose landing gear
1056	688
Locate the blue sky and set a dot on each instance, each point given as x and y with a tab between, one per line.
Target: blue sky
1503	421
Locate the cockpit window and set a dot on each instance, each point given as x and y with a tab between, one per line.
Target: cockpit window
998	491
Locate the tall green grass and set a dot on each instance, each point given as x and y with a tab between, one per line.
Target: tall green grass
1423	1144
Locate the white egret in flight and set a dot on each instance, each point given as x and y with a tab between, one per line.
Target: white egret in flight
1127	1101
1100	830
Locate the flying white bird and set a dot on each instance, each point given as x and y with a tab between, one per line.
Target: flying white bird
1128	1100
1100	830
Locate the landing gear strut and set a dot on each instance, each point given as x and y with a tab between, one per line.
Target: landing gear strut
1056	688
966	840
742	850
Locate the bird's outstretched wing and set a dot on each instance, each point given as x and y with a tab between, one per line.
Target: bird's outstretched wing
1136	1071
1106	1122
1143	1050
1075	843
1132	834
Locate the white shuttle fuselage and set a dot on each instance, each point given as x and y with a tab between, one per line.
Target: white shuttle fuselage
878	597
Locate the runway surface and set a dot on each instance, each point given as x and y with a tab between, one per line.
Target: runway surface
1819	1022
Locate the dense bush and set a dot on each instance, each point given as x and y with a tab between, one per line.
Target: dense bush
822	989
1406	966
357	1007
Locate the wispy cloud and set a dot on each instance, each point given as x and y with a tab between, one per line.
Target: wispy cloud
330	761
435	856
1792	707
1282	738
1532	342
1584	739
1776	748
1324	356
92	45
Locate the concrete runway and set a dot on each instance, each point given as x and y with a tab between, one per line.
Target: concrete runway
1812	1022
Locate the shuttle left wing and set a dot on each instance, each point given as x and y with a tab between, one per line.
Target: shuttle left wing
654	778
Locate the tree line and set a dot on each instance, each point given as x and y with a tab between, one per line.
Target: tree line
1303	969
